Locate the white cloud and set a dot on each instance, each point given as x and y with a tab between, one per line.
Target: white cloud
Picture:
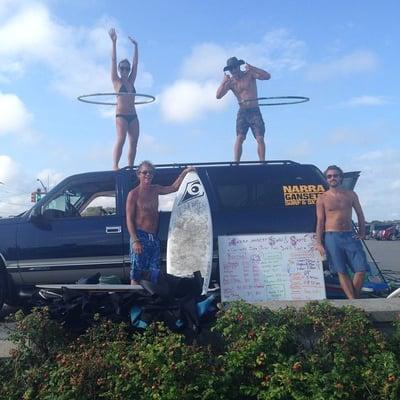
14	117
187	100
77	59
205	61
357	62
18	183
14	198
192	95
365	101
276	51
25	33
49	177
8	69
378	186
9	170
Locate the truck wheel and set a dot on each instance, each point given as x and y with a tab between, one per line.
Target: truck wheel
392	236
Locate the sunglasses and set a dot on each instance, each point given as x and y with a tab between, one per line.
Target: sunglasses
329	176
124	68
146	172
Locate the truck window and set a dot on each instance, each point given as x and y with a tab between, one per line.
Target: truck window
103	203
246	188
86	199
166	201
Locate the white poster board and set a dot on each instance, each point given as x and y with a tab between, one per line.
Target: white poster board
257	268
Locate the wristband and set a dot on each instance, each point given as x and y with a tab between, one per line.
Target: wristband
136	241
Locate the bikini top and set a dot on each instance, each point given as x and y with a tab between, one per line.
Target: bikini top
123	89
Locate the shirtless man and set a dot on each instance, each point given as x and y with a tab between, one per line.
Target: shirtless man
334	229
142	222
244	87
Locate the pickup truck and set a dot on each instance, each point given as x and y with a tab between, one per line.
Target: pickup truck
79	227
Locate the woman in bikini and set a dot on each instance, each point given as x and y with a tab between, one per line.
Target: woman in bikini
125	118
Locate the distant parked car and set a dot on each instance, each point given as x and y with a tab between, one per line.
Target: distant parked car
373	233
377	232
391	233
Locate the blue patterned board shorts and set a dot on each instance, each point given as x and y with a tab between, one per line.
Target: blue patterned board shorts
250	118
146	265
342	249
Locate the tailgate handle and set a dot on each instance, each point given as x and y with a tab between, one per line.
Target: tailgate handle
113	229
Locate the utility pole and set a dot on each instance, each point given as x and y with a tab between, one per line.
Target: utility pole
44	187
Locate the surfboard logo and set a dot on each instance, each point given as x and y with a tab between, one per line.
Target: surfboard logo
193	190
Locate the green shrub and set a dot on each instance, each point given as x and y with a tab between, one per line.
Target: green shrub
38	340
319	352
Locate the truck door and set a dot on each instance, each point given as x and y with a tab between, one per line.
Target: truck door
75	231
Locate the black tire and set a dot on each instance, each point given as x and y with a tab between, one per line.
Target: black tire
392	236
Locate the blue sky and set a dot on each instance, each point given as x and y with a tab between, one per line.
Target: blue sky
343	55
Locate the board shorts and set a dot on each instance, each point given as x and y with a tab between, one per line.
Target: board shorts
342	248
250	118
146	265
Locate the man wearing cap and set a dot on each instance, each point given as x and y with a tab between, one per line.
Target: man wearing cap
244	87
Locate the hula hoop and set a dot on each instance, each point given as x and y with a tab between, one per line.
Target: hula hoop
84	98
270	101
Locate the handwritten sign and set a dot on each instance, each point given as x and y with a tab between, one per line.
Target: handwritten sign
258	268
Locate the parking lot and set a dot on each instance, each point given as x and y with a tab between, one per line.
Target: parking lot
386	254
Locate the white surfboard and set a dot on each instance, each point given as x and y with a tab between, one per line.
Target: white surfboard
190	236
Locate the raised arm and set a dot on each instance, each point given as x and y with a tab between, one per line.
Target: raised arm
224	87
132	75
360	216
175	186
113	36
320	228
257	73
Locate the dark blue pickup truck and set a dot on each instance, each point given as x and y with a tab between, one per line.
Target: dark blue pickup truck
79	227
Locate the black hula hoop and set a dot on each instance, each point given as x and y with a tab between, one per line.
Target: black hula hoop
84	98
269	100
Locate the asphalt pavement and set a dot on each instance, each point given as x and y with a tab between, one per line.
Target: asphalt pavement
386	253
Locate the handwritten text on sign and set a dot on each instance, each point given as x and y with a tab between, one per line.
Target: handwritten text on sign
258	268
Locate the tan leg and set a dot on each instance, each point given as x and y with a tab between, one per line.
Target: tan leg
133	282
238	147
358	281
347	285
260	148
133	136
122	127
